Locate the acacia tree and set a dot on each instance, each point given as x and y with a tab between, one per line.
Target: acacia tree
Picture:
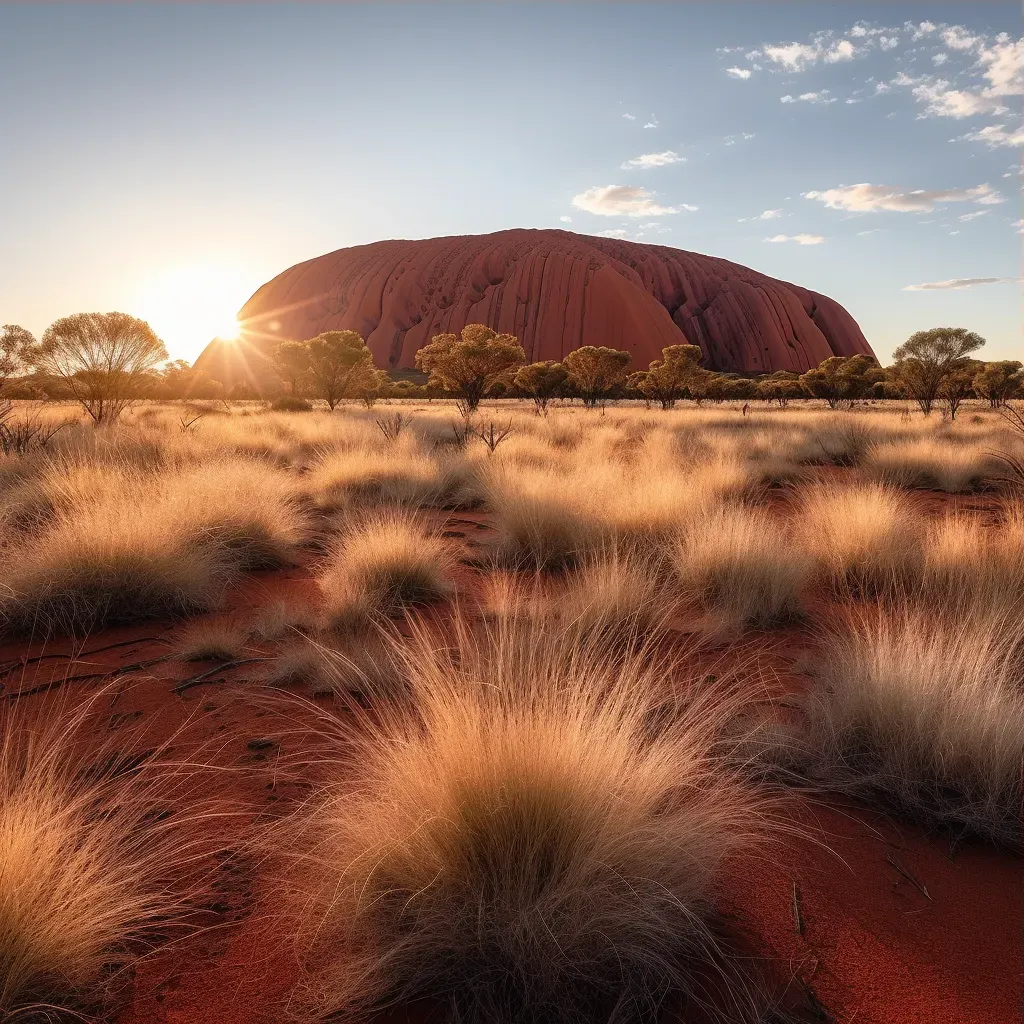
17	347
841	379
780	387
668	379
926	358
471	364
341	366
104	359
541	381
957	385
595	371
291	361
999	381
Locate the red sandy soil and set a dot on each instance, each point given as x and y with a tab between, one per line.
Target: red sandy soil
896	928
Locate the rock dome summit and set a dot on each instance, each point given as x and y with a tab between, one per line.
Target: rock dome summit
555	290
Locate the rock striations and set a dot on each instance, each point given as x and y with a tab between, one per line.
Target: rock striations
554	290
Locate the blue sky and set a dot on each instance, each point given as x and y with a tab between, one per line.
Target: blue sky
166	160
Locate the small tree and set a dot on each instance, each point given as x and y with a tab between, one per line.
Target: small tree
369	386
841	379
341	366
781	387
541	381
291	360
104	359
472	364
17	347
926	358
595	371
957	385
668	379
999	381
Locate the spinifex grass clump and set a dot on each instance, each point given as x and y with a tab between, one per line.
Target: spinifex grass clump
93	855
925	712
530	837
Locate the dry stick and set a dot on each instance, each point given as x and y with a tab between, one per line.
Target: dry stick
203	677
22	662
56	684
798	920
908	876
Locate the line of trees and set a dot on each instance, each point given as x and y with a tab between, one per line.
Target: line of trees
106	360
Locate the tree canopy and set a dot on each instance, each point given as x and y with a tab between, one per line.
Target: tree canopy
668	379
595	371
541	381
927	357
471	364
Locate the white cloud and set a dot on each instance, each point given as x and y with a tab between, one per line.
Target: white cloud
973	216
881	87
821	98
940	58
997	135
730	140
614	233
956	37
652	123
766	215
941	101
870	231
793	56
799	239
738	72
623	201
864	197
1019	225
843	50
888	42
565	220
647	160
957	283
1004	69
629	117
924	28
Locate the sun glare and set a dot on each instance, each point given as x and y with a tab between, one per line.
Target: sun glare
191	306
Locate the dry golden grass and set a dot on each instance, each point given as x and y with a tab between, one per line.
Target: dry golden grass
865	538
168	548
90	860
516	839
739	565
210	641
382	564
925	711
930	463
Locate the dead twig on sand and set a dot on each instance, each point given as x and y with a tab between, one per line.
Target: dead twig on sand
899	868
204	677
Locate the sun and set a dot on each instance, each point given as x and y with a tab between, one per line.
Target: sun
190	306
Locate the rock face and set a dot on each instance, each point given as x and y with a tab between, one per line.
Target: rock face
554	290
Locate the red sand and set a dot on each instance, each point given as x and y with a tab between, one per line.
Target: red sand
874	949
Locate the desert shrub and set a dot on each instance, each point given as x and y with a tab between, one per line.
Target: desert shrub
865	538
735	562
382	564
925	712
210	641
291	403
93	858
516	839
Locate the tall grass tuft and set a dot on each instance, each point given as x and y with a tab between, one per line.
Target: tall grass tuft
95	854
519	839
926	713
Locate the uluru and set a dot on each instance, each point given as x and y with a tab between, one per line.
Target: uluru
555	290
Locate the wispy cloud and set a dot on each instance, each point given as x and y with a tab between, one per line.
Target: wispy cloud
799	239
766	215
653	123
822	97
995	135
957	283
647	160
731	140
973	216
739	72
629	117
565	220
614	233
864	197
624	201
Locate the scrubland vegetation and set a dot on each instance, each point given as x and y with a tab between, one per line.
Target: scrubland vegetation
535	784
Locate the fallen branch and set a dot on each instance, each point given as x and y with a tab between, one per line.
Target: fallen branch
56	684
13	666
204	677
895	864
